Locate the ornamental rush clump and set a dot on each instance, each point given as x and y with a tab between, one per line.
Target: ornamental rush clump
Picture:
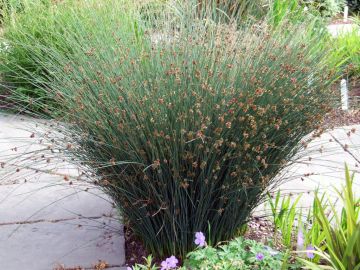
186	133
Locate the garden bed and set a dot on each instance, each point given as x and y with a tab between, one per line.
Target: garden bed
258	229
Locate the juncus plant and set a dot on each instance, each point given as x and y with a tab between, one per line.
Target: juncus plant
186	126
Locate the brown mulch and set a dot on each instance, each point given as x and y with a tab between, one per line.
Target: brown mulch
338	118
135	251
262	230
341	21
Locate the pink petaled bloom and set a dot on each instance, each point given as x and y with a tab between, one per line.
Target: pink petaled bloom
309	252
260	256
172	261
300	239
200	239
128	268
169	263
164	265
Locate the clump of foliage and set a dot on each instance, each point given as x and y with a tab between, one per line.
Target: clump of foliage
240	9
348	53
329	237
42	25
279	10
221	9
8	7
284	214
354	6
341	245
298	228
326	8
36	23
187	125
239	254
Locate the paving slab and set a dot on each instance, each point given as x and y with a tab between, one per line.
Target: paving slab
50	216
322	165
72	243
341	29
31	202
27	154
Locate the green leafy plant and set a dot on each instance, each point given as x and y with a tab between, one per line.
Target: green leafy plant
347	53
297	231
312	232
238	254
149	265
341	246
186	126
279	10
285	213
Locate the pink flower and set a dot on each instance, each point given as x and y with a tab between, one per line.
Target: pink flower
164	265
300	239
200	239
260	256
309	252
169	263
172	261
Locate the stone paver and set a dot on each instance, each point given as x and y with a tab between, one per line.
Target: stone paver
31	202
341	29
48	245
322	165
46	221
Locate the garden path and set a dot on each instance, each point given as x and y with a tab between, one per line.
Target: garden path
322	166
340	29
47	223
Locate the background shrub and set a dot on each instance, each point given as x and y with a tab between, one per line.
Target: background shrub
220	9
43	25
8	7
327	8
36	23
354	5
347	53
